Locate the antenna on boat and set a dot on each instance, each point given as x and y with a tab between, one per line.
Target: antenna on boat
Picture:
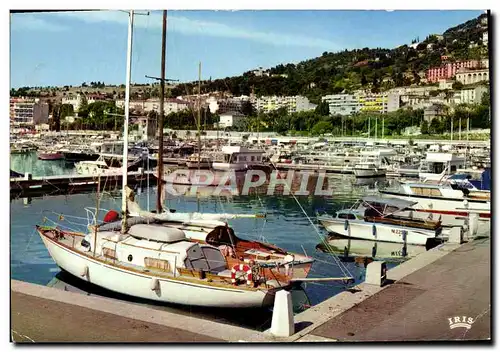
97	210
125	124
159	205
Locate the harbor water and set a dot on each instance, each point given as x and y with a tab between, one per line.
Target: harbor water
285	225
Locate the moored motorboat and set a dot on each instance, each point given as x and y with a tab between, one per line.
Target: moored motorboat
382	219
368	170
196	161
50	155
442	199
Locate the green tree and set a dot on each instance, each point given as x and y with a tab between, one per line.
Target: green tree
457	85
435	126
424	128
321	128
322	109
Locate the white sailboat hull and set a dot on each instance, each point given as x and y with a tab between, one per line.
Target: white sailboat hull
138	284
376	231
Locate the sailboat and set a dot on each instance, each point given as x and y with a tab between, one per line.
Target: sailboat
142	257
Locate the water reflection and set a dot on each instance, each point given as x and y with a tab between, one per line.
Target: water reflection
348	248
29	162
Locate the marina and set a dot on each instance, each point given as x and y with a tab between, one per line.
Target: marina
356	210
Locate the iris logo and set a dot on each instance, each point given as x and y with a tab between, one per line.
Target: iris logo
460	322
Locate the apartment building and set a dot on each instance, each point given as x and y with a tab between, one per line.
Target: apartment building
291	103
382	103
449	70
470	95
26	111
348	104
231	119
145	106
233	104
342	104
472	76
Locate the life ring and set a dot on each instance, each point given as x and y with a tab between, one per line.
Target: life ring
242	267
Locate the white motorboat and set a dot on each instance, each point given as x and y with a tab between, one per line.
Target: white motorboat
239	158
367	169
442	199
437	166
381	219
96	167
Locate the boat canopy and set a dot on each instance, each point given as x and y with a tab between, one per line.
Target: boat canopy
157	233
391	202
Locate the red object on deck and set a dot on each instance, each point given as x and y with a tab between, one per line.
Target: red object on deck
111	216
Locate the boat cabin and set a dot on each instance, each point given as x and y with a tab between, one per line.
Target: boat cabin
108	147
437	165
239	158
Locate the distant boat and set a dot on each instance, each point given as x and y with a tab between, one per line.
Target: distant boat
205	162
49	155
239	158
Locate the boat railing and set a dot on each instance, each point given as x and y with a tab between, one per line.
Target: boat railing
91	214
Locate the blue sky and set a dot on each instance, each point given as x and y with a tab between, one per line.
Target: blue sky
72	47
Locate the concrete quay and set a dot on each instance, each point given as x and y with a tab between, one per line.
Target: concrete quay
421	297
449	281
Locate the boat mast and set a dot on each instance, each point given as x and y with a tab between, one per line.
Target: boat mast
199	114
159	206
125	124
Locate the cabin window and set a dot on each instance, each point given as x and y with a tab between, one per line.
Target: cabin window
109	253
453	168
253	158
346	216
427	192
437	168
157	264
243	158
258	157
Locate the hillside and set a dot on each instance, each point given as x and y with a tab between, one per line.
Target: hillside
375	69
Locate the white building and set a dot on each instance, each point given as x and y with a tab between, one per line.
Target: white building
231	119
145	106
342	104
260	72
291	103
28	111
348	104
470	95
485	38
473	76
76	99
445	84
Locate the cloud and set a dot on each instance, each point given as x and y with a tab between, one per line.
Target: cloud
188	26
33	22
